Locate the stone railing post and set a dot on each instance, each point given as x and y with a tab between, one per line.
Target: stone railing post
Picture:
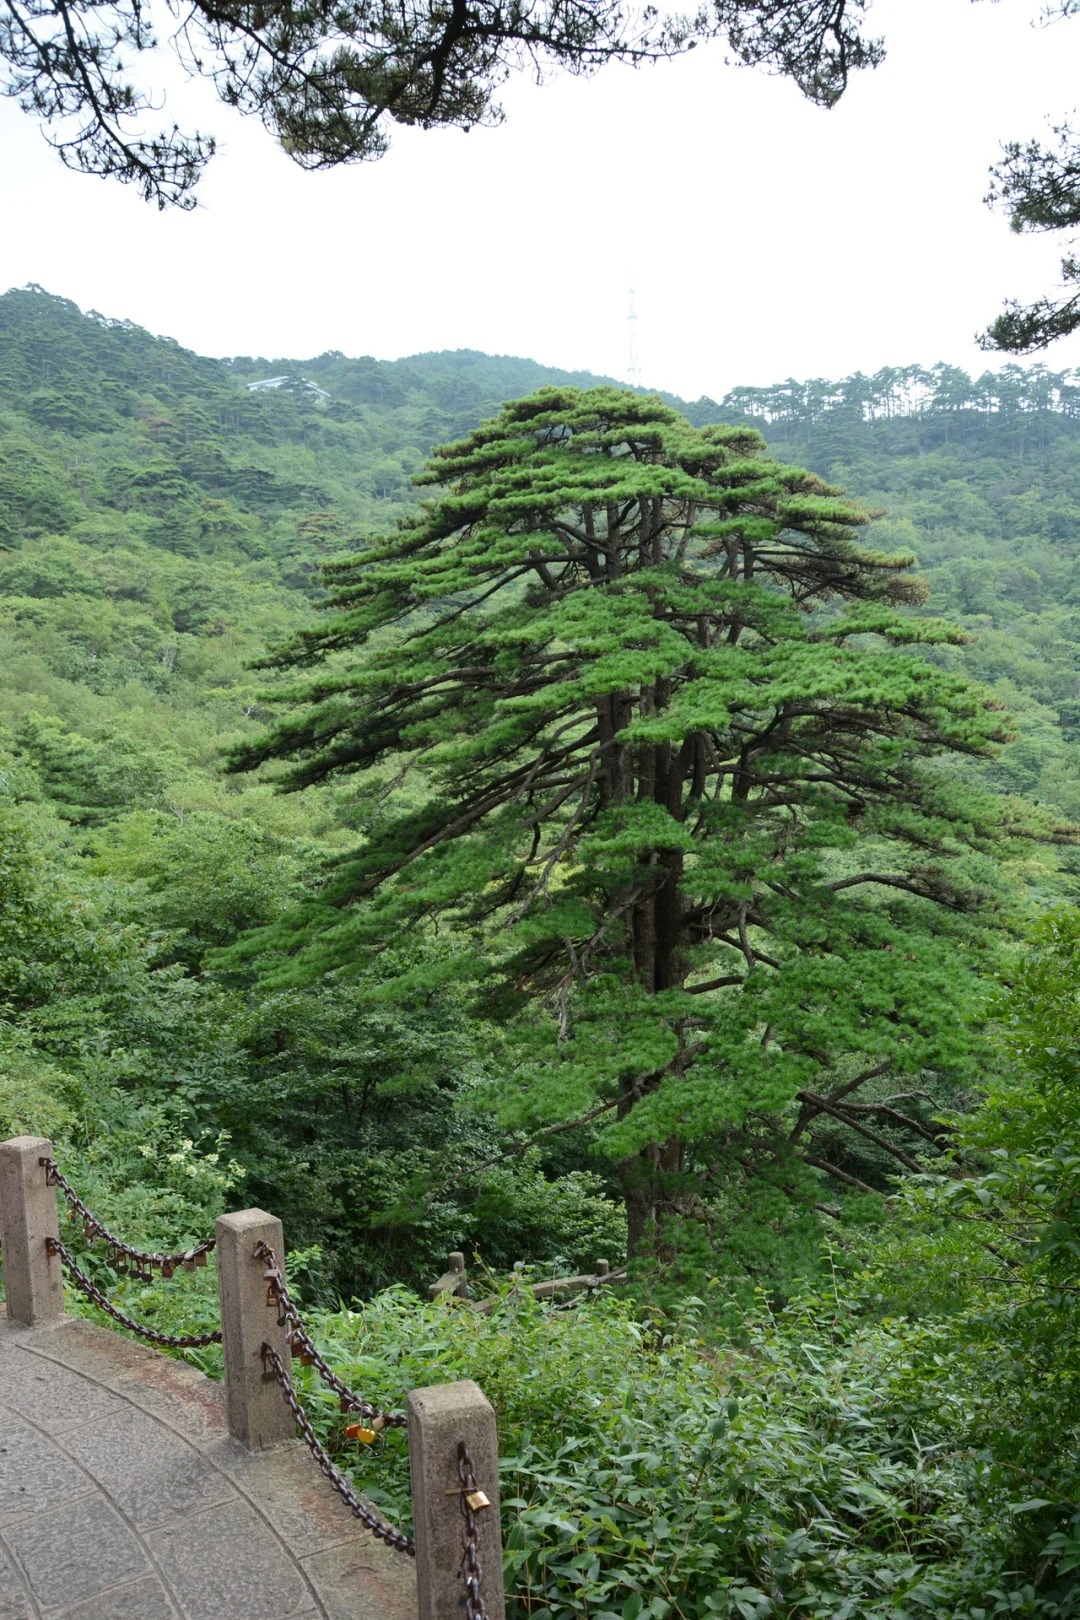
454	1279
440	1417
257	1413
33	1278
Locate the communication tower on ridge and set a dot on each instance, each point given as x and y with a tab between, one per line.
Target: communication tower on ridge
631	329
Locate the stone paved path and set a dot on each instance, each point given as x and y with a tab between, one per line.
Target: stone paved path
122	1497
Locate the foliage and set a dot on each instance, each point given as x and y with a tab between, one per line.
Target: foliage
995	1257
674	777
326	83
125	625
1037	187
162	1191
881	1426
824	1469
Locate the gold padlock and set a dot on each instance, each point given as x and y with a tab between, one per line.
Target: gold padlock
357	1431
477	1500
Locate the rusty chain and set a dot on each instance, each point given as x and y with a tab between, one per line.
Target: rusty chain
302	1345
126	1259
471	1572
143	1264
171	1341
367	1516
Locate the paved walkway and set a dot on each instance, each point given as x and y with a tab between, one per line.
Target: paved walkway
122	1497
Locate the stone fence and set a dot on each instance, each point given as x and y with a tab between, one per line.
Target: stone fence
453	1448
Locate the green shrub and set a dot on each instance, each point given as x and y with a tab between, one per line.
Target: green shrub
826	1470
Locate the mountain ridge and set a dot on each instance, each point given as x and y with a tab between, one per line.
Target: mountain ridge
159	523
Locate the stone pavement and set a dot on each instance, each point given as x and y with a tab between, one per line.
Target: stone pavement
123	1497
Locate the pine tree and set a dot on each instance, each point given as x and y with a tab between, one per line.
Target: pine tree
326	81
629	713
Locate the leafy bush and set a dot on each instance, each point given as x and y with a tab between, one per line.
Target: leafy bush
824	1471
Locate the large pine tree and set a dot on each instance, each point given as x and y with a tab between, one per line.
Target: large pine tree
629	713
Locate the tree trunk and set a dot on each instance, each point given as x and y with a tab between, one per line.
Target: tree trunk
657	941
650	1191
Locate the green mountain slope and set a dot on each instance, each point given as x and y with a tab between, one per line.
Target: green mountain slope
981	481
161	523
161	518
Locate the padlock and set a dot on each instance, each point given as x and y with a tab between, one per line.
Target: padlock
188	1262
200	1257
477	1500
167	1269
357	1431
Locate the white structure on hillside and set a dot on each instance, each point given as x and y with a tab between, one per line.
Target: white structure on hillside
320	395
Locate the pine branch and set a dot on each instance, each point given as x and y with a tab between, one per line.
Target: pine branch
823	1106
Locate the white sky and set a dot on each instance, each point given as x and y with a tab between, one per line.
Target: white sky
764	237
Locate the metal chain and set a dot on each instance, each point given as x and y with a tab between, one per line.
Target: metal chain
171	1341
367	1516
144	1262
471	1572
303	1345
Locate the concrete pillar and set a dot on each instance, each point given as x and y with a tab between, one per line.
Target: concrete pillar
257	1412
33	1278
439	1417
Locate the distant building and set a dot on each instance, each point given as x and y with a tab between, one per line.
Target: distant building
320	396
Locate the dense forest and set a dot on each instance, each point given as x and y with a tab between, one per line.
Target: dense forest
829	1112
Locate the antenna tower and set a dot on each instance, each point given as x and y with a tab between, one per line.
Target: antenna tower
631	332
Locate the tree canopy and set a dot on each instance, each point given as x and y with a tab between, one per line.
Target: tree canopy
326	80
1039	188
629	711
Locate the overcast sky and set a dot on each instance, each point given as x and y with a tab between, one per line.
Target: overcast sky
764	238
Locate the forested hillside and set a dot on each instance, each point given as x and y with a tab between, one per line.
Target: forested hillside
980	479
202	1001
162	524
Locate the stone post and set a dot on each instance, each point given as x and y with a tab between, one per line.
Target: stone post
33	1278
439	1417
453	1280
257	1412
